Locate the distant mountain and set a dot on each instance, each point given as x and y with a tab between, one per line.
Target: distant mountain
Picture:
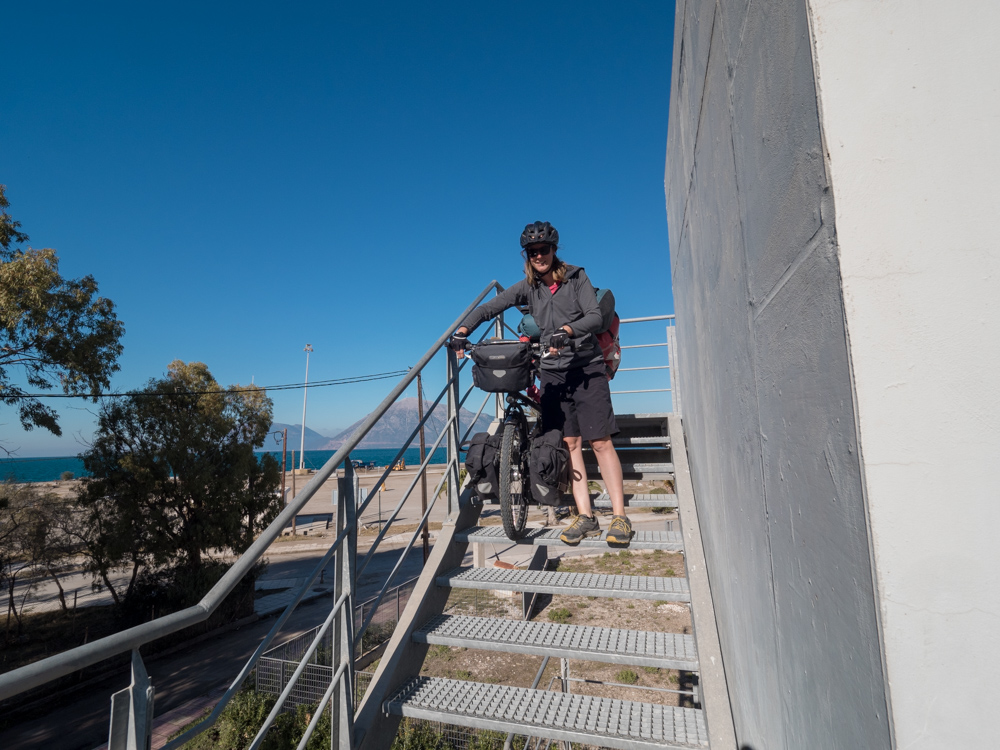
314	441
398	422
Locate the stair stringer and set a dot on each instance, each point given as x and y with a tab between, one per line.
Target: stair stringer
403	658
714	692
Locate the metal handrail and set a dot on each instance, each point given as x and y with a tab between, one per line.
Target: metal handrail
276	708
647	319
399	563
406	495
261	649
668	366
53	667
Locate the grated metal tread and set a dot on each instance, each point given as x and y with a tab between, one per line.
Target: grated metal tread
612	645
662	540
575	584
638	418
603	500
631	468
609	722
657	440
664	500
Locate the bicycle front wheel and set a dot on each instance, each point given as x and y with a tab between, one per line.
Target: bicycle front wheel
513	501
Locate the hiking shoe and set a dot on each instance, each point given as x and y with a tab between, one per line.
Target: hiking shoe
620	531
582	527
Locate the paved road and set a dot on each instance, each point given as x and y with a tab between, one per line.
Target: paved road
81	720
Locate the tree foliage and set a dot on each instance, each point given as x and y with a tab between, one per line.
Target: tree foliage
53	331
175	476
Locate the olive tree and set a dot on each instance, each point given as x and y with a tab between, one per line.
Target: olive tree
54	332
174	476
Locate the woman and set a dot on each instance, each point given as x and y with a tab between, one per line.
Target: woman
575	396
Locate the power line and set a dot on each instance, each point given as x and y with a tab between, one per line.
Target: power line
282	387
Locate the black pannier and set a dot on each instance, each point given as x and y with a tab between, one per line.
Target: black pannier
481	462
548	467
502	366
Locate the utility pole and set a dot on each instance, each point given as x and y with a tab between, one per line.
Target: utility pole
284	453
305	394
423	457
295	517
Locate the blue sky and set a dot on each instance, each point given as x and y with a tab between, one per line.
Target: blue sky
243	179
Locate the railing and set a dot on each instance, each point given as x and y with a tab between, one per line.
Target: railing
131	718
670	342
132	708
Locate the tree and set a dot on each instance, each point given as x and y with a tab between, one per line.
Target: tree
33	539
175	476
56	331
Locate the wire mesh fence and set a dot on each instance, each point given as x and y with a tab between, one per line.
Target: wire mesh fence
386	615
485	603
278	664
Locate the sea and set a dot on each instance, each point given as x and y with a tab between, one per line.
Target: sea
52	469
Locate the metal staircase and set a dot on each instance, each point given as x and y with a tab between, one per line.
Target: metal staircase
651	446
562	716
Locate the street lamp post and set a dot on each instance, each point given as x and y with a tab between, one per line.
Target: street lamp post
305	394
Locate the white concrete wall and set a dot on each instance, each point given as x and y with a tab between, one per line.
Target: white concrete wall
910	114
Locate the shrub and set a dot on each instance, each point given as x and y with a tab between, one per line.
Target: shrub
67	476
243	718
560	615
626	677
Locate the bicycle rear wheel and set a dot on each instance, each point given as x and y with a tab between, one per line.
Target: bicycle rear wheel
513	501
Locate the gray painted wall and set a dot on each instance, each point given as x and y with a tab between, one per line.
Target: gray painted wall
769	402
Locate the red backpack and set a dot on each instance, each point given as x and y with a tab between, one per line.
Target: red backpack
607	337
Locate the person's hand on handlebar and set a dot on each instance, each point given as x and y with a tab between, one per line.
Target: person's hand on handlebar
559	339
458	341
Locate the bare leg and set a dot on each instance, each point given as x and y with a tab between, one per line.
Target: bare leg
578	475
611	473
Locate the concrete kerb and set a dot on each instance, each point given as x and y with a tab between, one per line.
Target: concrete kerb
712	676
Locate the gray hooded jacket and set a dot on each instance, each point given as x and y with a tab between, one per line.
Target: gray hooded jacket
574	304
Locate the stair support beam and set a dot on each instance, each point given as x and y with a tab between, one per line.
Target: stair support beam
403	658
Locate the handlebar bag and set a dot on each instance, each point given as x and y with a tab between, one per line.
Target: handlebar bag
481	462
502	366
548	467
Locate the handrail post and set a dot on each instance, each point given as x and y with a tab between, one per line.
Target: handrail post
342	651
454	432
132	711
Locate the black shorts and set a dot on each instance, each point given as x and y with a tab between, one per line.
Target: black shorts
578	402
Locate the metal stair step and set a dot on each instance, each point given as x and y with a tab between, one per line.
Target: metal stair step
659	500
671	541
608	722
632	469
654	440
632	500
575	584
626	420
612	645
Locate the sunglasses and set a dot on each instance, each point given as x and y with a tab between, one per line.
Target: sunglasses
532	252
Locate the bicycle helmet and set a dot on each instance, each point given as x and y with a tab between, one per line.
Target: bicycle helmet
540	231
